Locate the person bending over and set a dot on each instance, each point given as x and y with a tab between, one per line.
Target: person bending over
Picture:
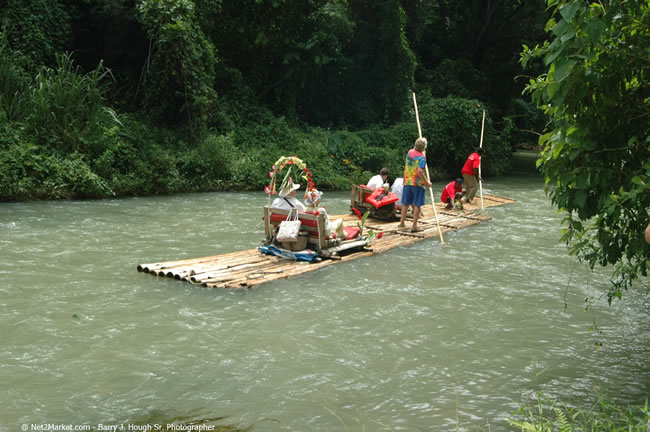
451	193
379	180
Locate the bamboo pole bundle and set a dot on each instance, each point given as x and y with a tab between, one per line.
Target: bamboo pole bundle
171	264
241	269
274	269
220	265
251	254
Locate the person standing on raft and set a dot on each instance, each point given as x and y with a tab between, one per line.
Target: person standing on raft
470	174
415	179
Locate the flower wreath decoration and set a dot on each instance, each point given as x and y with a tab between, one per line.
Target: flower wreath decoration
290	162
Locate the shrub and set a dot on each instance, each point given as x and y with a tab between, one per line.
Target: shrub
453	128
209	165
63	103
32	173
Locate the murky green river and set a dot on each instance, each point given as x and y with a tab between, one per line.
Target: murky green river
428	337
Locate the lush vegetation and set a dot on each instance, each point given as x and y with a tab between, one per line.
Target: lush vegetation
596	155
124	97
604	415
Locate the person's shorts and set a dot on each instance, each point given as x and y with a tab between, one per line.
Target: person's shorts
413	195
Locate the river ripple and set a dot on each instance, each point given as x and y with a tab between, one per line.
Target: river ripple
425	337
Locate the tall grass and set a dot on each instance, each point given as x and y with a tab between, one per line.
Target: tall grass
604	415
63	103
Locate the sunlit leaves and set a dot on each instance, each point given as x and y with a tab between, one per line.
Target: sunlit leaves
596	92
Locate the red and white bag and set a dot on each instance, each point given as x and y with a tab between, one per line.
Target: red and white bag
290	228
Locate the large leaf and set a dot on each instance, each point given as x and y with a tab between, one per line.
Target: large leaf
594	29
568	11
562	68
560	28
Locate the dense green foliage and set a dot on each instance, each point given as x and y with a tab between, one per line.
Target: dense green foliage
36	28
181	70
596	157
120	97
605	415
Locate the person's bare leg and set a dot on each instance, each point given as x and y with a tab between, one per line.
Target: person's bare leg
416	216
402	217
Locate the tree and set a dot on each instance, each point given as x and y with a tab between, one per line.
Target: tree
380	77
596	157
181	74
37	28
468	48
323	61
289	52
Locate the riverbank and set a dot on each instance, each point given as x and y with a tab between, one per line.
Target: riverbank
131	158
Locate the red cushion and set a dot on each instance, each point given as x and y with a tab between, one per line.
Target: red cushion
388	199
351	232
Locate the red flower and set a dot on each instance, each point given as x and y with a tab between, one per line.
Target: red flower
267	190
357	212
380	235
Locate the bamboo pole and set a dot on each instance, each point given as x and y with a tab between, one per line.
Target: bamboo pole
480	182
179	272
147	268
433	201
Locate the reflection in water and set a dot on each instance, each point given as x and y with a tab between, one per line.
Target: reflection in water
424	337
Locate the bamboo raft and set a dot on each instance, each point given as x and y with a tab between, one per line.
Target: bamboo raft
249	268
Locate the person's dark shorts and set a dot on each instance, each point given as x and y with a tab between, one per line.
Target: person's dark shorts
413	195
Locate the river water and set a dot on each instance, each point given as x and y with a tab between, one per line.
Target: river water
428	337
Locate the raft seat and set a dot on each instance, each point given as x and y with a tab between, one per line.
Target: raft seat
363	199
314	224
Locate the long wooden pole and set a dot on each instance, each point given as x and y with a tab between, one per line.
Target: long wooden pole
480	182
433	202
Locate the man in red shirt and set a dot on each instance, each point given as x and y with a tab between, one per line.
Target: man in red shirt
452	192
470	174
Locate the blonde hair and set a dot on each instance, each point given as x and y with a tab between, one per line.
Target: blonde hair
420	144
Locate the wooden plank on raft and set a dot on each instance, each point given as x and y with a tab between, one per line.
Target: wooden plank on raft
249	268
